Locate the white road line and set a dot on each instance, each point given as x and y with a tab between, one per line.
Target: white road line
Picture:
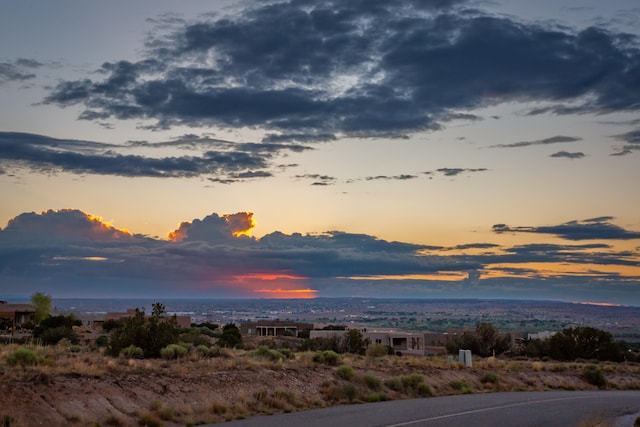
457	414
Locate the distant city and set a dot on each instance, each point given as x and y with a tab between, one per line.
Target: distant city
435	315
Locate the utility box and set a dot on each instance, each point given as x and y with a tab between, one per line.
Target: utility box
464	356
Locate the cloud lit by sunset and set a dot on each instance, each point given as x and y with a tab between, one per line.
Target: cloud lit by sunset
414	149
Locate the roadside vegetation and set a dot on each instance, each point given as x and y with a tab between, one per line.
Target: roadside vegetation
145	370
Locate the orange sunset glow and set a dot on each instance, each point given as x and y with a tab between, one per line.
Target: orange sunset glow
288	293
275	285
447	276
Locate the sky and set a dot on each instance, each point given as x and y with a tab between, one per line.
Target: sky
300	149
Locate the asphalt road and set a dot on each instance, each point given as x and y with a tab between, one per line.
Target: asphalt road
519	409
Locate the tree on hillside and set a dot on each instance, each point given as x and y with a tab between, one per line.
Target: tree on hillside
584	342
230	336
484	341
54	328
42	304
150	333
354	342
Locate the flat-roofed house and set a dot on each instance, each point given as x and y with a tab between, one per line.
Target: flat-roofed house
19	314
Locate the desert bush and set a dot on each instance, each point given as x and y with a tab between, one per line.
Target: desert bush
423	390
394	383
594	376
195	337
149	333
411	381
230	337
205	351
461	386
55	335
412	385
263	352
149	420
23	357
327	357
377	350
490	377
173	351
102	340
345	372
341	393
114	421
376	397
132	352
373	382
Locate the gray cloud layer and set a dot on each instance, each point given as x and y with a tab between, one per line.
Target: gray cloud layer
74	253
226	161
18	70
589	229
357	68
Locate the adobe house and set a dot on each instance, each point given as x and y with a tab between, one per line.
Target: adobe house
274	328
19	314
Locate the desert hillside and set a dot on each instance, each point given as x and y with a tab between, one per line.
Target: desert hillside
73	386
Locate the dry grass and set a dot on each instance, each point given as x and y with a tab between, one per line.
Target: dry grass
196	390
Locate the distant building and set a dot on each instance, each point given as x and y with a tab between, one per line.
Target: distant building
544	335
401	342
19	314
275	328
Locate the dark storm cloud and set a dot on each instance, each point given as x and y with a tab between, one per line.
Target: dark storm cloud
305	69
595	228
568	155
553	140
63	251
223	159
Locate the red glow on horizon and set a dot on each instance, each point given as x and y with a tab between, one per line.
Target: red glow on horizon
269	276
288	293
600	304
275	285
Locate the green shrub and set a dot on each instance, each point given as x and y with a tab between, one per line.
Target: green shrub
461	386
376	397
394	383
490	377
263	352
54	335
149	333
423	390
149	420
412	385
23	357
230	336
173	351
345	372
377	350
132	352
205	351
343	392
373	382
327	357
594	376
102	340
410	382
